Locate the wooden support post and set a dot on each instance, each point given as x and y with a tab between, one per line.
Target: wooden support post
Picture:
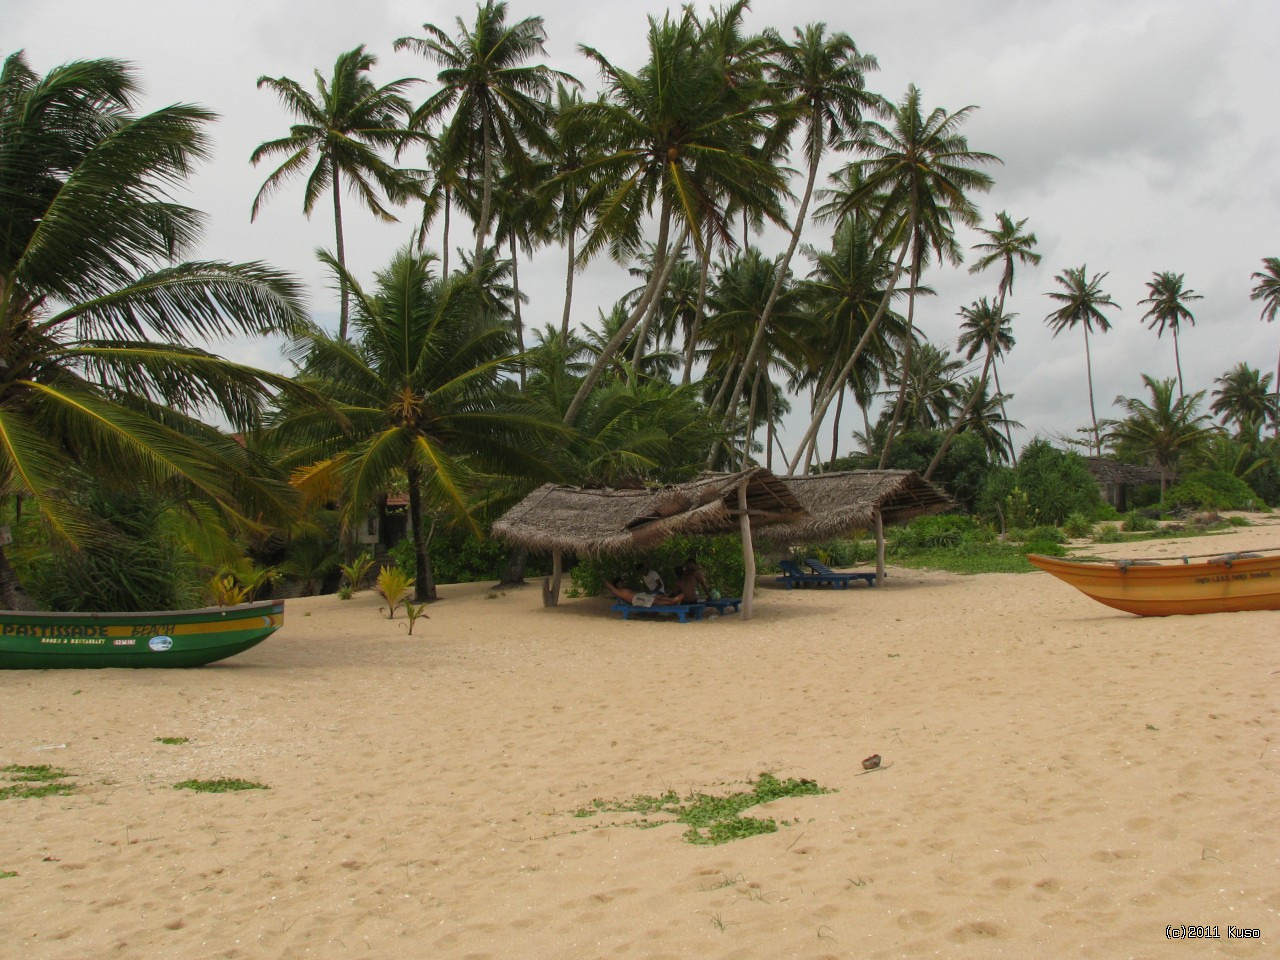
551	591
748	552
879	549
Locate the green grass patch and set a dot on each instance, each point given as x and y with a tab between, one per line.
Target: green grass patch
6	874
220	785
969	558
42	780
710	819
173	741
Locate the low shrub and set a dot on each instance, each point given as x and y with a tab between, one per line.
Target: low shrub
720	558
1077	526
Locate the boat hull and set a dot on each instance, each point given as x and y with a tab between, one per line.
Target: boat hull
1221	585
182	638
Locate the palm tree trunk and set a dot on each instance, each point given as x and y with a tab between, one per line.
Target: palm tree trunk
611	348
1008	431
486	198
515	286
424	585
691	346
749	441
849	364
444	254
12	596
343	293
1177	362
1088	366
568	288
767	314
835	427
900	403
978	389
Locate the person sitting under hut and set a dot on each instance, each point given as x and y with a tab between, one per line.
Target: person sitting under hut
691	580
644	598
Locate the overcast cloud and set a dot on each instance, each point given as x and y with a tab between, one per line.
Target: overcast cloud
1136	135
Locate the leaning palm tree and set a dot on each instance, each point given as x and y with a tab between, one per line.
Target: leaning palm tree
499	100
100	375
1169	309
1267	289
1005	244
419	396
340	131
918	172
1082	300
821	80
679	137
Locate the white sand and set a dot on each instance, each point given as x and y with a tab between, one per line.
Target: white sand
1060	780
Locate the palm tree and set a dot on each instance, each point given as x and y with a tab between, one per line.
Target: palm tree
1267	289
1082	302
1168	309
1005	244
1162	431
917	175
679	136
417	395
342	128
821	81
99	377
1244	396
498	98
984	330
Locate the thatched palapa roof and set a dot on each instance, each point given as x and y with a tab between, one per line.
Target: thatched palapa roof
603	522
847	500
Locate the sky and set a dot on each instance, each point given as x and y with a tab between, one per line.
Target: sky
1136	136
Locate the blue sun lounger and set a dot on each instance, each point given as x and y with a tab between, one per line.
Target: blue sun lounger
822	569
723	605
793	576
684	611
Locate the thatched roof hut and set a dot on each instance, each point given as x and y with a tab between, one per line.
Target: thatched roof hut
603	522
849	500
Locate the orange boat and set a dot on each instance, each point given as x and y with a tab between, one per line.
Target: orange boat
1221	584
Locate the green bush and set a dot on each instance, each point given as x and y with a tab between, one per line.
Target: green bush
1135	522
1211	490
1077	526
946	530
459	556
1047	486
842	553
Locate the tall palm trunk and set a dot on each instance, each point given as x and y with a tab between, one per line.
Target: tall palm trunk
515	285
486	196
900	403
444	254
1093	413
691	345
344	294
568	287
1177	362
424	587
835	427
751	420
849	364
995	372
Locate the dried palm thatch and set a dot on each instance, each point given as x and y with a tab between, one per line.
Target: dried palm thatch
607	522
848	500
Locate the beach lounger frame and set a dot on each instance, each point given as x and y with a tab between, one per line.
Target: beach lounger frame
685	611
793	576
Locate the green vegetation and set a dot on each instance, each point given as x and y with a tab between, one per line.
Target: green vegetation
710	819
220	785
393	586
719	557
24	782
173	741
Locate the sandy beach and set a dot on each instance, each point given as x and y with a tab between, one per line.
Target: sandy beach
1058	779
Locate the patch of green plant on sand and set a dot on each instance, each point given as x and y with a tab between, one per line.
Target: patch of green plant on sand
6	874
21	782
710	820
220	785
173	741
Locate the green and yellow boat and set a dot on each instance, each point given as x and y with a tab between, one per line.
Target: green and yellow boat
174	638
